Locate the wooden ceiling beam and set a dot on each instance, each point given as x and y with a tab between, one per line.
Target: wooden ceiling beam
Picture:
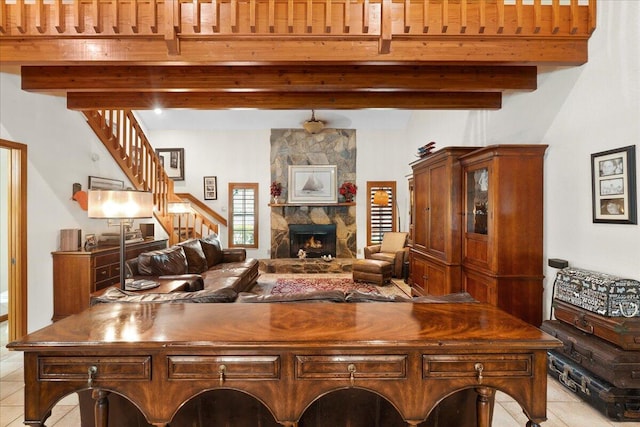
284	100
326	78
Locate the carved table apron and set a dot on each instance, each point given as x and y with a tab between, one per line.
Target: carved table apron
286	355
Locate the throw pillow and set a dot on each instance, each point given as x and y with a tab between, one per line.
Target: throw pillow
163	262
393	242
196	260
212	249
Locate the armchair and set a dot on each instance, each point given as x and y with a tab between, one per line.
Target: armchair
393	249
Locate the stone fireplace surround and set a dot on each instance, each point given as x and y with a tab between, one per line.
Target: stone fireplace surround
329	147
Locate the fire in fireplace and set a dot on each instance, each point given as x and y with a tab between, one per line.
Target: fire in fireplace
315	239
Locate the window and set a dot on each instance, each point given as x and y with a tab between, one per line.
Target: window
243	211
381	211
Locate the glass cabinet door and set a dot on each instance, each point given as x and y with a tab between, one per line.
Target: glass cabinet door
477	203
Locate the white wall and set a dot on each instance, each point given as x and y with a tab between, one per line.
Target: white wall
577	111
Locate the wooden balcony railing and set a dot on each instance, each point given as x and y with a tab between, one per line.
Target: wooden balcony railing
311	30
125	140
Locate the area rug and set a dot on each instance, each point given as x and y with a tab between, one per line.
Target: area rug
282	284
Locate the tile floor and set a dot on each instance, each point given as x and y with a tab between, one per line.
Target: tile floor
563	408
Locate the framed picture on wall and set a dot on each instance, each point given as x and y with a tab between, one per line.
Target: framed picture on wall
313	184
98	183
210	188
613	176
172	160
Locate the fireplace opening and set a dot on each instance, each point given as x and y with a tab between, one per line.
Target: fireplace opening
315	239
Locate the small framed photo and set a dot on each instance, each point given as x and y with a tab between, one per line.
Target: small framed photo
613	175
97	183
210	188
172	160
313	184
90	242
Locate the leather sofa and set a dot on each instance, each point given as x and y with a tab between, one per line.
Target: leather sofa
214	274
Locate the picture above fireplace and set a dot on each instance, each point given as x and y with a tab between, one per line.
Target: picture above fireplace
316	240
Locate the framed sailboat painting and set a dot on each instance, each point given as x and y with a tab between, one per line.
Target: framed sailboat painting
312	184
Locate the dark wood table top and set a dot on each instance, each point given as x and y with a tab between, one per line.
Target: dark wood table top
468	326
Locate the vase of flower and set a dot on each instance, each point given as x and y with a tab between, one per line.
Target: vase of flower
348	190
276	191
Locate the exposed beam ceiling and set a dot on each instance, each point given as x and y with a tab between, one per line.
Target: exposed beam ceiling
280	87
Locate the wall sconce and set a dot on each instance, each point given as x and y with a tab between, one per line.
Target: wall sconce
179	208
122	205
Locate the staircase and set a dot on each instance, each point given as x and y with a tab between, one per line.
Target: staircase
123	137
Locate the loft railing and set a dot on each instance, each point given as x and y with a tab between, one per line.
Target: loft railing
346	20
125	140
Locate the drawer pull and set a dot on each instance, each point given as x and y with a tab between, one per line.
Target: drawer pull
221	371
479	368
352	373
92	371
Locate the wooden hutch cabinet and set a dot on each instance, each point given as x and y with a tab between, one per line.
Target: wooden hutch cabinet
502	255
435	254
77	274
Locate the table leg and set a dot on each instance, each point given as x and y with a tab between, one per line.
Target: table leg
483	406
101	407
532	424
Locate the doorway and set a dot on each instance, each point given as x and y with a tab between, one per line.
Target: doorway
13	237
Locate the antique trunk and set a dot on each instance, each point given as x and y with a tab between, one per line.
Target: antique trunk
620	404
621	331
613	364
600	293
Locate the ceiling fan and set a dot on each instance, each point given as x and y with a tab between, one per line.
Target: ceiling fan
313	125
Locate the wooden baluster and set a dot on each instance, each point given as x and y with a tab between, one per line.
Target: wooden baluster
483	16
116	16
77	17
133	12
40	18
592	16
154	16
309	16
518	16
425	16
290	7
196	16
555	16
252	15
445	16
171	26
215	16
407	16
347	16
3	16
537	16
463	15
234	15
574	17
95	15
500	7
385	26
21	16
365	16
271	15
327	16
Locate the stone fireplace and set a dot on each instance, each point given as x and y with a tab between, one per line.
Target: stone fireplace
316	240
328	147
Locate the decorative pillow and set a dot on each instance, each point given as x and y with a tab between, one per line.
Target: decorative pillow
163	262
212	249
196	260
393	241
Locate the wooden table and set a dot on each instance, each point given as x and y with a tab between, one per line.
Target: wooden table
286	355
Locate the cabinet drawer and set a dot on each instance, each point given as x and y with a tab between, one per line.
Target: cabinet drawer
339	367
102	273
105	368
517	365
223	367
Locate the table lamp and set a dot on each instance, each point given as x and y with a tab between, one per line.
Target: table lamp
121	205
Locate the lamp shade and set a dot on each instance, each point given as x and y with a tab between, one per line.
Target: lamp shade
381	198
178	207
120	204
